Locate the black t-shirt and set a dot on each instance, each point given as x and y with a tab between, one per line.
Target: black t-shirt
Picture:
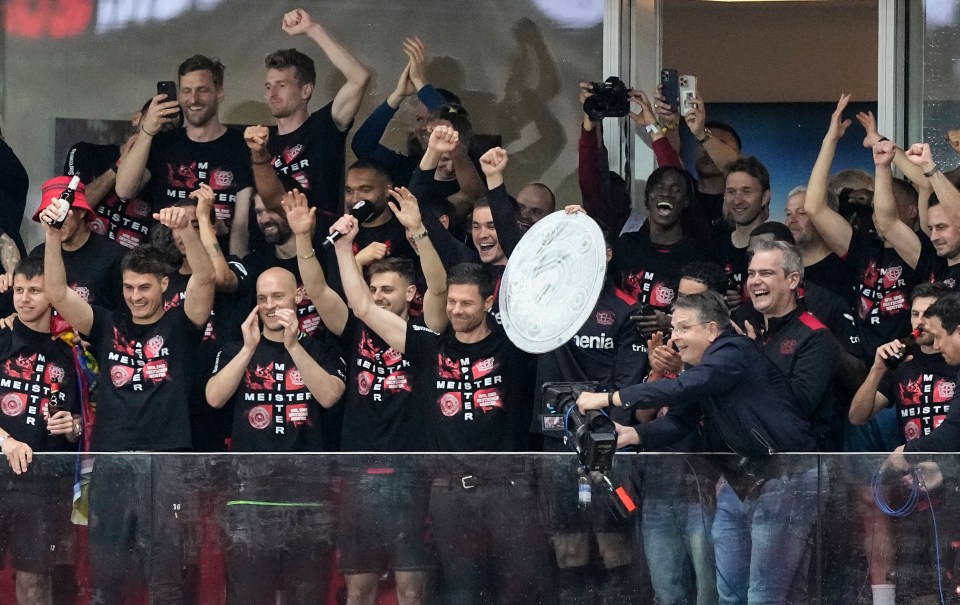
29	363
210	427
921	390
178	165
311	158
883	282
391	233
938	268
125	222
223	325
273	409
146	380
382	412
735	262
833	274
93	271
479	396
650	272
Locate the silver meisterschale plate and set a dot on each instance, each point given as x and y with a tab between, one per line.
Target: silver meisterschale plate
552	281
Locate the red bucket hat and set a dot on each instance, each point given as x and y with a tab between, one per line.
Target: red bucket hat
52	190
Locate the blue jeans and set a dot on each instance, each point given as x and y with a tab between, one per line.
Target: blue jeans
762	544
678	547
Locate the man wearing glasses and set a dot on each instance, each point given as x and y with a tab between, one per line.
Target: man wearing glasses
766	507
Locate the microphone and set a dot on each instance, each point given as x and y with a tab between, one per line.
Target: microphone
362	211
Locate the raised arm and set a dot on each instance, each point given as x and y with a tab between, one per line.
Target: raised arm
901	161
268	183
74	310
325	387
240	223
720	153
79	162
390	327
302	220
347	101
225	279
366	140
646	120
405	208
443	139
228	374
132	173
833	228
493	163
868	400
201	285
919	155
885	216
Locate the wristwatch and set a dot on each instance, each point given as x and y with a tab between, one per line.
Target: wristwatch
2	439
652	128
706	135
932	171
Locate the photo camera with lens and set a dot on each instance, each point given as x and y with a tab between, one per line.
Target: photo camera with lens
610	99
592	435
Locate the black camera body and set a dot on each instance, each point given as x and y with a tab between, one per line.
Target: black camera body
609	99
592	435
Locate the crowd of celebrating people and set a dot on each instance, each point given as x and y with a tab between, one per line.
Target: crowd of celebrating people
214	290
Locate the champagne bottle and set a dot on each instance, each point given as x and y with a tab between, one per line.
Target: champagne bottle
65	201
909	343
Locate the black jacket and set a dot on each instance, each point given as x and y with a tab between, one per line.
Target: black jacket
747	406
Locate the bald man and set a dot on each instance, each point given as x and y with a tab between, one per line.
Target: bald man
278	379
536	201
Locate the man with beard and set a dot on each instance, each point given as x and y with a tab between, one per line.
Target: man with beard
305	150
380	412
280	251
477	389
174	163
919	390
646	263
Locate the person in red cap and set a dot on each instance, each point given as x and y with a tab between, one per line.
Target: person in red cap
92	261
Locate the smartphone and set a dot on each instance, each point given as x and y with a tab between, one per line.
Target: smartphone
169	88
670	87
688	90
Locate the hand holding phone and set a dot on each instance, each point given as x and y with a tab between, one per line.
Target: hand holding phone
670	87
169	88
688	91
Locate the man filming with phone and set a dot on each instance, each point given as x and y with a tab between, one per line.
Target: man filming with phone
174	163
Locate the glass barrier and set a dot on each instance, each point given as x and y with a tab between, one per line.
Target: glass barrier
484	528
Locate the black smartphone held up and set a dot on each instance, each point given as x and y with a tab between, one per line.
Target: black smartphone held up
670	87
169	88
